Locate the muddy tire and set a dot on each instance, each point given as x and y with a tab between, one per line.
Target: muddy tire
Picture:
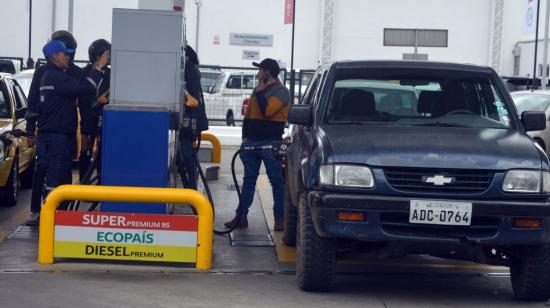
316	256
530	273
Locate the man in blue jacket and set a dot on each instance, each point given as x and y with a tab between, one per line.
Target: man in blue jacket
57	113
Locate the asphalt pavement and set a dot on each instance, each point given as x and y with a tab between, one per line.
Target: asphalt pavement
258	271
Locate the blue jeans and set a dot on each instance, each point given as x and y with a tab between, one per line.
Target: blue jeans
252	161
54	159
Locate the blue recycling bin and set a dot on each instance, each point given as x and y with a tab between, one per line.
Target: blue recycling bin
135	152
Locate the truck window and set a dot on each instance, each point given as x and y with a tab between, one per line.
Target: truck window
423	100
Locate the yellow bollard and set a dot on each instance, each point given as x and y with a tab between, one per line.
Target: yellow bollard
128	194
216	147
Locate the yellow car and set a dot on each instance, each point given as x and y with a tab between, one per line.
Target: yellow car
17	153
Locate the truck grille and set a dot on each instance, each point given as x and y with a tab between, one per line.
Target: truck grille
414	180
397	223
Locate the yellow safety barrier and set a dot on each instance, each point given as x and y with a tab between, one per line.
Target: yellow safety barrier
128	194
216	147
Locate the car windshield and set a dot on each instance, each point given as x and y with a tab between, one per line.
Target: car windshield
24	80
208	78
400	98
531	102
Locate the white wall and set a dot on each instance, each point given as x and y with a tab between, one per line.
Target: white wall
357	33
92	20
359	30
220	18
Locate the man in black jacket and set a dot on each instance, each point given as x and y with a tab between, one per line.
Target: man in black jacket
91	109
32	117
57	114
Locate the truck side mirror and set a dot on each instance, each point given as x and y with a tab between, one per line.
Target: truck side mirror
533	120
300	114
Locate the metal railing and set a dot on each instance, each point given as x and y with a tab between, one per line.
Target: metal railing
128	194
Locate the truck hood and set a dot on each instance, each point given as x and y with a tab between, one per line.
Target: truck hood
432	147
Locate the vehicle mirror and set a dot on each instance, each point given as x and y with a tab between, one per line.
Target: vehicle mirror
20	113
413	82
533	120
300	114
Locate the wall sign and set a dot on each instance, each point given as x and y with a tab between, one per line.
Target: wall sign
121	236
244	39
251	54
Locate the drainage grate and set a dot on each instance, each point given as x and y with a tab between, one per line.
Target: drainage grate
25	233
255	240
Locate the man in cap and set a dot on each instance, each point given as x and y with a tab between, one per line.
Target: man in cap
57	114
264	123
32	117
91	109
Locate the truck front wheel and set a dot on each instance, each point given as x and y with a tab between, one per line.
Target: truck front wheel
530	273
316	256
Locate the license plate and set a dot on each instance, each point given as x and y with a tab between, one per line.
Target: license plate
437	212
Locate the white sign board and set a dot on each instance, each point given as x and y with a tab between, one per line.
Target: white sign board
251	54
530	16
244	39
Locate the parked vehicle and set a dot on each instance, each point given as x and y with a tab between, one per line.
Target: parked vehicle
535	101
224	100
209	75
17	154
455	177
24	79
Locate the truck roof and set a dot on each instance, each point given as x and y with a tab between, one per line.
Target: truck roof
413	64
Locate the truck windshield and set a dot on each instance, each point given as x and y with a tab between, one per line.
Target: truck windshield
419	100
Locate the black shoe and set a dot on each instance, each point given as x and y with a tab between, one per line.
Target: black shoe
241	223
33	220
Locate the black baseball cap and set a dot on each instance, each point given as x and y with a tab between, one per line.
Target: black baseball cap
269	64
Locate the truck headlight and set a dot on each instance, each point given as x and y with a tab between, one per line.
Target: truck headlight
346	176
523	181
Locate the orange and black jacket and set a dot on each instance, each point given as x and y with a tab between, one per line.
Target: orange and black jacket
266	114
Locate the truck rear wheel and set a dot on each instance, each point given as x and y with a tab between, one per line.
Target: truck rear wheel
291	222
530	273
316	256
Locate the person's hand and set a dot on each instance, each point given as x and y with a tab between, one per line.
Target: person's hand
262	85
85	142
191	102
102	61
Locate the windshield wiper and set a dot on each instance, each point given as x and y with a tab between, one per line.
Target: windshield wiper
441	124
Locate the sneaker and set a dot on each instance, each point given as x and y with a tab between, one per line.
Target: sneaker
241	223
279	224
33	220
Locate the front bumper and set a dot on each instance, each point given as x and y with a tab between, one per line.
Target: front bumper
387	219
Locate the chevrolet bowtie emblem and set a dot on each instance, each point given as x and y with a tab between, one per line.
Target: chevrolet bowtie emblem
438	180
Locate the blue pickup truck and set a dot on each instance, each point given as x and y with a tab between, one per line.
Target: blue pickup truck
396	158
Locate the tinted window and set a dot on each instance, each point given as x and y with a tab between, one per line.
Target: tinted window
241	82
419	100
